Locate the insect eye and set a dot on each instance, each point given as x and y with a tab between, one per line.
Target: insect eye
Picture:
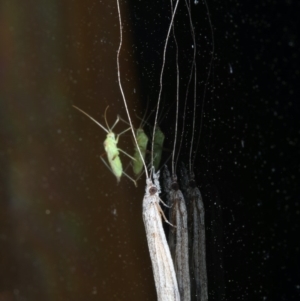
152	190
175	186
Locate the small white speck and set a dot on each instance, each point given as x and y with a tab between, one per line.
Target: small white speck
59	131
47	211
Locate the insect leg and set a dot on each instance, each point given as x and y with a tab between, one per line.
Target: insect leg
126	154
117	120
163	215
124	173
165	204
130	178
122	134
108	167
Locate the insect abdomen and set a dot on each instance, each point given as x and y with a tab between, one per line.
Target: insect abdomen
110	146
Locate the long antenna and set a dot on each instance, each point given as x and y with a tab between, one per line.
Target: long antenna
122	92
161	77
206	82
177	99
195	90
190	77
86	114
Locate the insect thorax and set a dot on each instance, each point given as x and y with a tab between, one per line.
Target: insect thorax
110	143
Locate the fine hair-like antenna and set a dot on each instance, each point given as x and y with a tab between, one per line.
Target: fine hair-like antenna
161	77
122	92
193	68
192	161
177	99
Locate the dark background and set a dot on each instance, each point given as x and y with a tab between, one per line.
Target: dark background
67	230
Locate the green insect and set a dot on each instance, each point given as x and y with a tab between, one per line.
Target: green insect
142	140
111	147
158	141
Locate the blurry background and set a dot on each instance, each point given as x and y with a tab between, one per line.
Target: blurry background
68	231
